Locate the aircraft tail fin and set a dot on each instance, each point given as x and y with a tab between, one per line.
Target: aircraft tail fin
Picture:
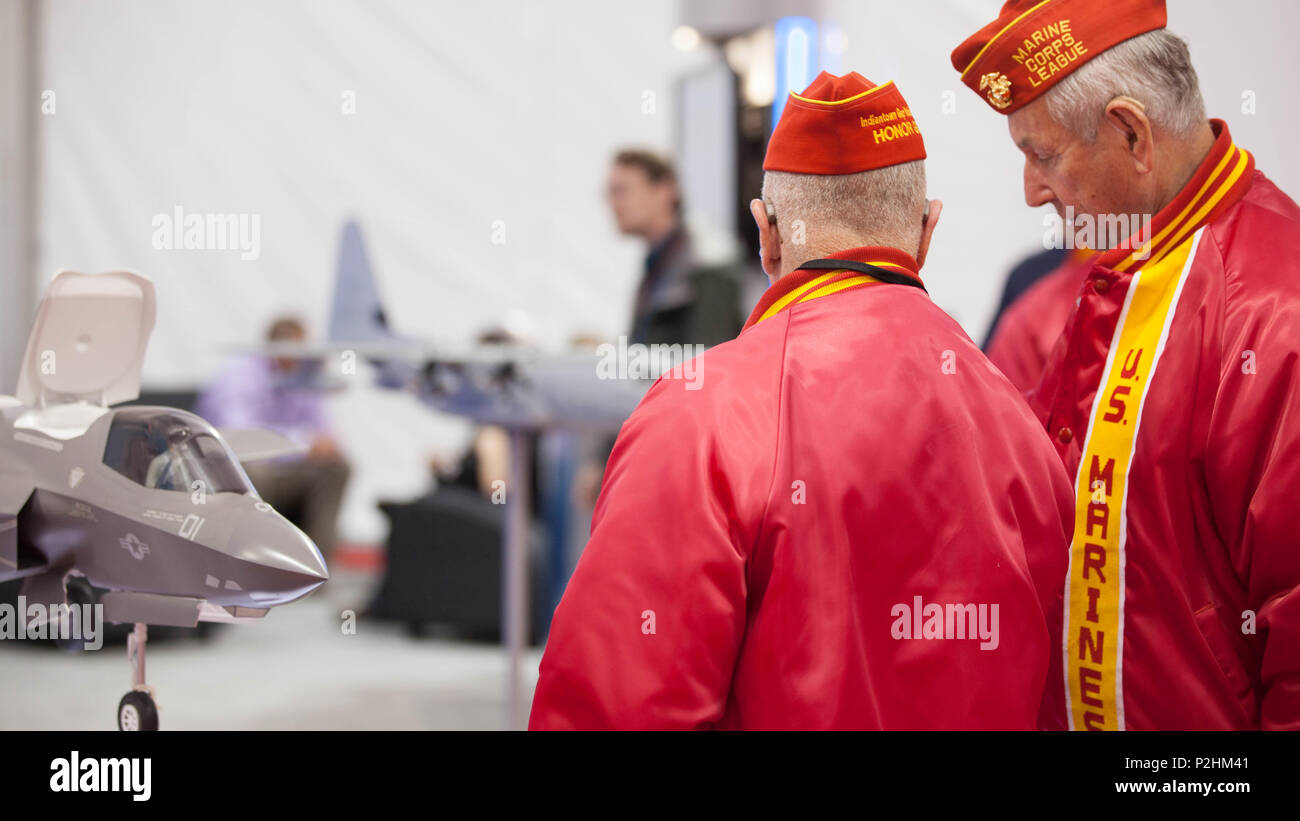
357	314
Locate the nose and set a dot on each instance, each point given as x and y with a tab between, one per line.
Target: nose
282	564
1037	191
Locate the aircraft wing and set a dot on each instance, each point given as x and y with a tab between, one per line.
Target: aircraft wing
515	386
257	445
534	391
388	350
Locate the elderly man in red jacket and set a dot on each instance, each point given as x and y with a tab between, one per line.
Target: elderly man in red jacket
852	520
1174	395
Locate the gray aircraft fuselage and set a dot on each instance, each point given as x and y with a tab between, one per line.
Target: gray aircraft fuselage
148	503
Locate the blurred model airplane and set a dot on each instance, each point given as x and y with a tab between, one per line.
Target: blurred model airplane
149	504
512	385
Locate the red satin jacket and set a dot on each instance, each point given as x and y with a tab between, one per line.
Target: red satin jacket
827	528
1174	399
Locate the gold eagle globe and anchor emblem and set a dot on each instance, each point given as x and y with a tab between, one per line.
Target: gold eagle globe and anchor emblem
999	88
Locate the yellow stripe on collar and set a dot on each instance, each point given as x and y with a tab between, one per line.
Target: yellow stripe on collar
827	290
1202	204
795	294
819	287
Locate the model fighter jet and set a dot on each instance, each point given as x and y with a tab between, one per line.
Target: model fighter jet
148	504
516	386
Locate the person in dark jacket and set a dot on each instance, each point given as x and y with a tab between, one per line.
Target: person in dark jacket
680	300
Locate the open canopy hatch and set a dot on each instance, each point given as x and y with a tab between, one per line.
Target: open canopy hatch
88	341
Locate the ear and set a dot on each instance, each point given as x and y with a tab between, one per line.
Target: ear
769	240
1129	120
933	209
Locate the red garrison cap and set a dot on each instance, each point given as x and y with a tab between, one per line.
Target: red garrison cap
843	125
1035	43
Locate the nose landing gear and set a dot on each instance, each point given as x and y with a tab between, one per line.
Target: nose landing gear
137	710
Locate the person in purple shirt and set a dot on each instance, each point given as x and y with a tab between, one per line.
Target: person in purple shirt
276	394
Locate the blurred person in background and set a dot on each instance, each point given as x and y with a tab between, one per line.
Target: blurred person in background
484	467
1024	274
680	300
277	393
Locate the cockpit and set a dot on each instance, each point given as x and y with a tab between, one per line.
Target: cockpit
168	449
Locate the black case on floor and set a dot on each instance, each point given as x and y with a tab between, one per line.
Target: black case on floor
444	567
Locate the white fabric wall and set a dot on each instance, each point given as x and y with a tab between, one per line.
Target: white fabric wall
17	185
466	113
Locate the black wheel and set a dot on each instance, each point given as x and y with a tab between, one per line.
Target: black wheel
137	712
82	596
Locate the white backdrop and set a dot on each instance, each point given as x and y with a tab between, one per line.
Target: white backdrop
467	114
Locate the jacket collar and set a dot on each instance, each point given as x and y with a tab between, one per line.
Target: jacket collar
817	278
1221	179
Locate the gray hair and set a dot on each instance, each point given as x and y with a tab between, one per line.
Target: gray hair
1153	68
878	207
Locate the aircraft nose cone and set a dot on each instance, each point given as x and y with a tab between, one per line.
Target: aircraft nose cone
286	562
299	553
